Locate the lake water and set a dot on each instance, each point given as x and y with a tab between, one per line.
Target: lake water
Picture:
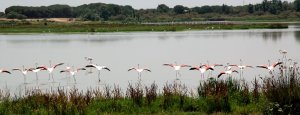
121	51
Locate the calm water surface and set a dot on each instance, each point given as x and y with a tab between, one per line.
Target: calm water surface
121	51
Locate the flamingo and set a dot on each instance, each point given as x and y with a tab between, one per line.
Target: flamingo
241	67
228	72
23	71
36	70
139	70
270	67
73	73
283	52
4	71
177	68
228	67
202	69
212	66
90	60
50	69
99	68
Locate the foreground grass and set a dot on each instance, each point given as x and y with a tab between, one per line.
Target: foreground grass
55	27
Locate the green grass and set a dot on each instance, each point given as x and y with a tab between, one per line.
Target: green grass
54	27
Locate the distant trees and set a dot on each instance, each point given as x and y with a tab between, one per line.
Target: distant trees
250	8
162	8
15	15
179	9
101	11
297	5
2	15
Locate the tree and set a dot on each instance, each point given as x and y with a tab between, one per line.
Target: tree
179	9
250	8
91	17
2	15
15	15
297	5
162	8
265	5
225	9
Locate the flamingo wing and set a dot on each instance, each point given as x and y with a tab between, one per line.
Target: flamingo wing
249	66
42	68
235	71
16	69
276	64
62	71
91	65
147	70
194	68
106	68
131	69
262	66
184	65
59	64
5	71
171	65
234	65
209	68
81	69
221	74
218	65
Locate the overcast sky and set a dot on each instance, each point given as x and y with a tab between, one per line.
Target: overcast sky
137	4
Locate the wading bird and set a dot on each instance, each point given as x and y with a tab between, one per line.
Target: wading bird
139	70
23	71
212	66
228	72
283	52
73	73
50	69
177	68
99	68
270	67
202	69
36	70
90	60
241	67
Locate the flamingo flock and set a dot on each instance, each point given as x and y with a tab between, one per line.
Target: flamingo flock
229	69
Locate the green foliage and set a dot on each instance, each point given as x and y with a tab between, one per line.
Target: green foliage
250	8
2	15
15	15
297	5
112	12
162	8
179	9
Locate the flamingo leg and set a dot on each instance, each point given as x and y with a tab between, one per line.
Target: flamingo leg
49	77
24	79
176	74
99	76
52	77
74	79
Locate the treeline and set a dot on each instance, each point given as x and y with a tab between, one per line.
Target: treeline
112	12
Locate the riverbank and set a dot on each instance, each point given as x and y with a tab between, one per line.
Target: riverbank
79	27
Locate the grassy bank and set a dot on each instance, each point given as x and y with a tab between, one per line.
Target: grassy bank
278	93
56	27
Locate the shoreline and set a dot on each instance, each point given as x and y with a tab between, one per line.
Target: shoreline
96	27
